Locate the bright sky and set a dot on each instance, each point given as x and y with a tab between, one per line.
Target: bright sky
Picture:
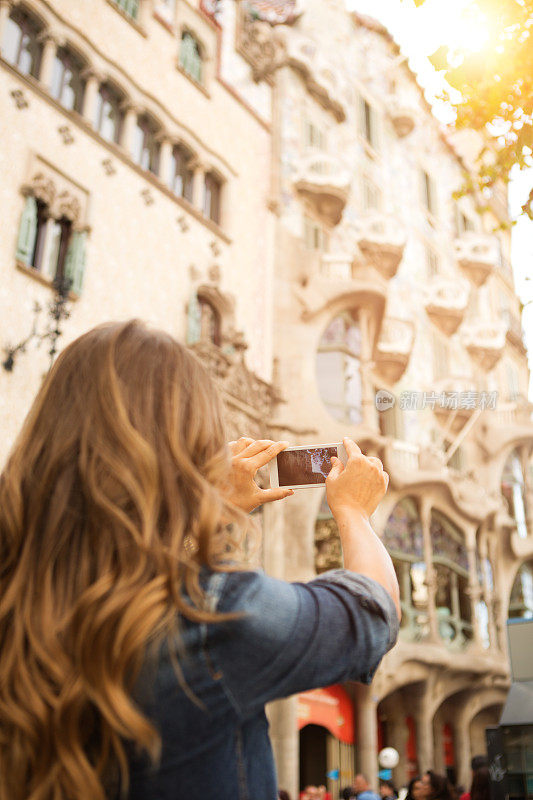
421	31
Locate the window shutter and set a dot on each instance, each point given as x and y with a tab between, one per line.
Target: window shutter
27	231
194	320
75	261
375	129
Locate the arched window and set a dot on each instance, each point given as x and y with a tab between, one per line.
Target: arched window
50	246
403	539
450	559
521	601
108	115
513	489
145	145
20	44
204	321
339	368
191	56
209	322
181	173
212	197
67	83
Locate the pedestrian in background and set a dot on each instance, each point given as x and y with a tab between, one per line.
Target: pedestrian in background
478	762
387	790
415	789
480	788
362	788
437	787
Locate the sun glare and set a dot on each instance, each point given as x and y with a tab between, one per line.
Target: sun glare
458	24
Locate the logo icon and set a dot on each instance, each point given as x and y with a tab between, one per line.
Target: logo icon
384	400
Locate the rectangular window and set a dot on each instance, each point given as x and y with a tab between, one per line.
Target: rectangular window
463	223
372	195
212	197
130	7
429	193
314	136
181	174
369	124
314	236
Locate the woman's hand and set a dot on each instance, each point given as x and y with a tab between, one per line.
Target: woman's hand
247	456
359	486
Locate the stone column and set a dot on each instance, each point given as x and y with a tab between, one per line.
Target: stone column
367	738
424	738
462	749
431	582
131	112
368	410
165	158
199	170
284	735
50	45
5	8
93	80
474	588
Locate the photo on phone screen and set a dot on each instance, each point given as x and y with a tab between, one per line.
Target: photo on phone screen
305	466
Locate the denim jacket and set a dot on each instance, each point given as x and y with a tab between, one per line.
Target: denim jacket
291	637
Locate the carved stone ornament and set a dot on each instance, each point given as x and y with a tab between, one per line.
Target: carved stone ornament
68	206
108	166
237	381
66	134
19	98
42	187
147	196
261	45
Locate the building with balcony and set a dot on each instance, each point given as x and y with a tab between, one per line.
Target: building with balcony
266	181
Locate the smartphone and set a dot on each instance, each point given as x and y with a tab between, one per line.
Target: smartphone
305	466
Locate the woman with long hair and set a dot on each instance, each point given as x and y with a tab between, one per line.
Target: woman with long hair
137	650
437	787
480	788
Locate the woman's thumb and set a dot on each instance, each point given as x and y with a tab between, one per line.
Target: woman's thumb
336	469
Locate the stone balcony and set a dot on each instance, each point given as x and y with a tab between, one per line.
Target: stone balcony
477	255
402	116
507	424
455	401
322	179
381	239
410	465
394	348
485	342
445	302
322	82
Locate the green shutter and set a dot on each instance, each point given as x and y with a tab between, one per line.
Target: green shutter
194	320
27	232
190	58
75	261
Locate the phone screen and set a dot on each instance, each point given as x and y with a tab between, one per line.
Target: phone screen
308	466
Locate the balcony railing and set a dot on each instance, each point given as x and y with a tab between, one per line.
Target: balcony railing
445	301
381	239
485	342
394	348
322	179
477	254
403	456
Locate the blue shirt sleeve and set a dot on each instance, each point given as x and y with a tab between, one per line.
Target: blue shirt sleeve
298	636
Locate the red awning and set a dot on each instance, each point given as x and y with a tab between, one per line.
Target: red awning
331	708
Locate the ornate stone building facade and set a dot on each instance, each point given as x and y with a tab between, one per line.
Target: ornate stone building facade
266	181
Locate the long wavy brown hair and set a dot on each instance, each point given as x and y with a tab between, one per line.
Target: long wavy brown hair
110	503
